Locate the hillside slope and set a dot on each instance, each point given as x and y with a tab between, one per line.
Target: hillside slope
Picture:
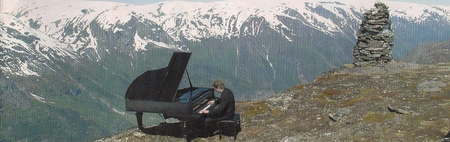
393	102
430	53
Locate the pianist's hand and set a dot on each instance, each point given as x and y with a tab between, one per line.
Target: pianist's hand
205	111
211	102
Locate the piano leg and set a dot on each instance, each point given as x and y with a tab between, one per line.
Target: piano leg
139	119
185	130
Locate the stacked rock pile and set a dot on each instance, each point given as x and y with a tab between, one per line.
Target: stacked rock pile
375	38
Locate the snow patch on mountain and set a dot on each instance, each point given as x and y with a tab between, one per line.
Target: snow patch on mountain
19	69
139	43
118	15
221	19
41	99
111	107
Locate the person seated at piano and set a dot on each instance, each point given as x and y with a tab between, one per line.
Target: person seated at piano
226	105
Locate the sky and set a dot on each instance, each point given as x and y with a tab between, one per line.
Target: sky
142	2
429	2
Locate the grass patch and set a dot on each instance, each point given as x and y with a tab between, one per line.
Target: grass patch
255	109
324	78
365	91
299	87
352	101
329	94
276	112
330	77
439	98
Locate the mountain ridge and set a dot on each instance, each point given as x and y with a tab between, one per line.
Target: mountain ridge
162	13
430	53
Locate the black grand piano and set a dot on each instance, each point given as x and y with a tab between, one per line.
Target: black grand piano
156	91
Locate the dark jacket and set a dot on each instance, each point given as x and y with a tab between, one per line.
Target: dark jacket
226	107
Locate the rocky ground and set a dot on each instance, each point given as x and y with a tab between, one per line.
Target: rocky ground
391	102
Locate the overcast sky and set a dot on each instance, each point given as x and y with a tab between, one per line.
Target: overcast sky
141	2
430	2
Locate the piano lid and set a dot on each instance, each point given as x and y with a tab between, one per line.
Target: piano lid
162	84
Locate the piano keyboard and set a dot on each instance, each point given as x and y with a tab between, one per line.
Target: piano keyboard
207	107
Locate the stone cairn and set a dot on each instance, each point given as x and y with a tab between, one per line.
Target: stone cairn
375	38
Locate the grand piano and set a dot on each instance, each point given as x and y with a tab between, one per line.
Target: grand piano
156	91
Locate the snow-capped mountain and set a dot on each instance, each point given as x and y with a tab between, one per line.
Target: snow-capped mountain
86	26
27	51
80	55
194	20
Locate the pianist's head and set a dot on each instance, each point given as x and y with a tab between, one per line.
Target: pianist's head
218	85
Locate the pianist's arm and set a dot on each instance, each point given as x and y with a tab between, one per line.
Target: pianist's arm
226	99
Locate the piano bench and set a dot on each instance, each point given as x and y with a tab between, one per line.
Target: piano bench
223	124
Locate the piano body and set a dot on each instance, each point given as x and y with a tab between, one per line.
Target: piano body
156	91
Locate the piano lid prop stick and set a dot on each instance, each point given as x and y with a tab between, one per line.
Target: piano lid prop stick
190	84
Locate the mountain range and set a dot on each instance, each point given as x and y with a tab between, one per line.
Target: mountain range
73	60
